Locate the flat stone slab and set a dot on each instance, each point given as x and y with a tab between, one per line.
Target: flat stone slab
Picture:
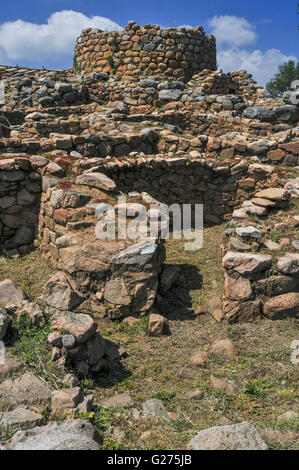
250	232
246	263
11	365
96	180
25	389
241	436
274	194
20	418
73	434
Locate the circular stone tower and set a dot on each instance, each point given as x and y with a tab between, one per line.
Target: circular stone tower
146	51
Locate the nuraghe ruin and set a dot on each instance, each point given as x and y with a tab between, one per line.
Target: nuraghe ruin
144	114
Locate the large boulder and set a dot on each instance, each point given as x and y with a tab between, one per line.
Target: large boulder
241	436
73	434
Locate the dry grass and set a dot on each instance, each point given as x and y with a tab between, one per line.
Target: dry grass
29	272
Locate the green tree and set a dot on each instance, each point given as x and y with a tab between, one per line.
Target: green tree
288	72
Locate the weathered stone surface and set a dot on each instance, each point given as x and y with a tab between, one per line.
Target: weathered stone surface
82	326
242	311
66	400
170	95
59	293
20	418
224	348
123	400
282	306
241	436
10	293
277	285
25	389
237	287
288	264
157	325
246	263
72	434
116	292
248	232
154	409
96	180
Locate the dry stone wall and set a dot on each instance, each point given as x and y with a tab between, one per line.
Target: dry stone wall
146	51
20	189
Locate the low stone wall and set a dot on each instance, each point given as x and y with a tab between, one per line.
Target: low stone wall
261	277
146	51
88	145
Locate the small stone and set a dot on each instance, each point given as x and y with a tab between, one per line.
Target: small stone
154	409
223	386
185	373
194	395
66	400
123	400
68	341
157	325
199	359
55	339
224	348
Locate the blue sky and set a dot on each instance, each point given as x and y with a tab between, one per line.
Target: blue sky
257	35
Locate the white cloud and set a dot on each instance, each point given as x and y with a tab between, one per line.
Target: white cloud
24	41
232	30
262	65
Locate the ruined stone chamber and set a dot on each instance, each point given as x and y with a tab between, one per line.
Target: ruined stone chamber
146	51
